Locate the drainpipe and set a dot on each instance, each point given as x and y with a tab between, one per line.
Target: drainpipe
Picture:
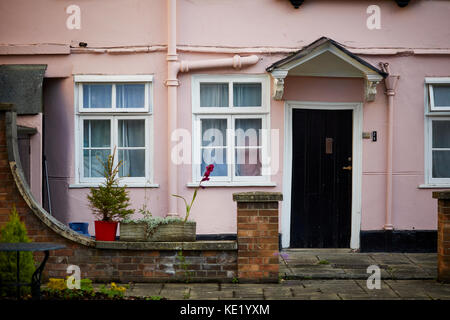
391	84
172	84
173	67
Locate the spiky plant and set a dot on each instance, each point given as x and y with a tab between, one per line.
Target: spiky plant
15	231
110	201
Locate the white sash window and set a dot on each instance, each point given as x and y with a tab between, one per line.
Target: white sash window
231	128
113	112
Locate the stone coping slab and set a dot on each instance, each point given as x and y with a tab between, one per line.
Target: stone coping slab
257	196
222	245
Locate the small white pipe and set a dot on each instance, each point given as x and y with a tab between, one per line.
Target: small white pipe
237	62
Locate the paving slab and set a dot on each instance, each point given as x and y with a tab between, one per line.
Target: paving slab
144	289
408	272
385	290
175	291
277	293
316	296
346	264
426	289
362	274
344	289
390	258
422	257
332	286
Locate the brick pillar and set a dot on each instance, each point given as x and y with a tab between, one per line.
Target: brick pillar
443	235
257	236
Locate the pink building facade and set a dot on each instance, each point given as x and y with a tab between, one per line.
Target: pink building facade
349	100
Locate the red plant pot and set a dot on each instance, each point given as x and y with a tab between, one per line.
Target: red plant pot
105	230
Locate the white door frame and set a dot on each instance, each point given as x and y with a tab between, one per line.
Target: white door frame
356	164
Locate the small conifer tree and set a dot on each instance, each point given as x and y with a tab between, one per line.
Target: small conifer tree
15	231
109	201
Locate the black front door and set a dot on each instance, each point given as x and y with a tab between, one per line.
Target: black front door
321	178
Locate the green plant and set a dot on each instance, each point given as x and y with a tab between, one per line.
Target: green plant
185	266
235	280
323	262
15	231
154	298
144	210
57	289
113	291
154	222
186	295
110	201
188	206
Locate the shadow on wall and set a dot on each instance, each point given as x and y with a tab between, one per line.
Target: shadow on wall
57	144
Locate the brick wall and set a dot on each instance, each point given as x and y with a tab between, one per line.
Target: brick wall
121	265
254	259
443	235
257	234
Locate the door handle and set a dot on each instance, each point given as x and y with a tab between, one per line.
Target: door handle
349	168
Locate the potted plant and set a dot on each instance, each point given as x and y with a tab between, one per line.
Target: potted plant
168	229
109	202
136	230
184	228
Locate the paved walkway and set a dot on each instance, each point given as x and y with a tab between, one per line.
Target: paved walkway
297	290
322	275
344	264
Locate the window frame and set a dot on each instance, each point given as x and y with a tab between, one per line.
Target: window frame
430	82
433	114
230	79
230	113
114	80
114	116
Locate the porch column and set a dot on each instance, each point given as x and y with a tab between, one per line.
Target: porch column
443	235
257	236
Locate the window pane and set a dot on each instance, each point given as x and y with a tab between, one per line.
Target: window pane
97	133
133	163
216	156
213	94
441	164
92	165
441	95
214	132
131	133
247	132
248	162
247	94
441	134
130	95
97	95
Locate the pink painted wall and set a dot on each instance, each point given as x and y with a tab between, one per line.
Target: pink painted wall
324	89
221	25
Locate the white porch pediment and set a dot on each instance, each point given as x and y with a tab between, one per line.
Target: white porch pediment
325	58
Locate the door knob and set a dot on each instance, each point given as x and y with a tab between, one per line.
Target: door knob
349	168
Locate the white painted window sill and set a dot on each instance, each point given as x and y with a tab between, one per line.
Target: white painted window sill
129	185
232	184
434	186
